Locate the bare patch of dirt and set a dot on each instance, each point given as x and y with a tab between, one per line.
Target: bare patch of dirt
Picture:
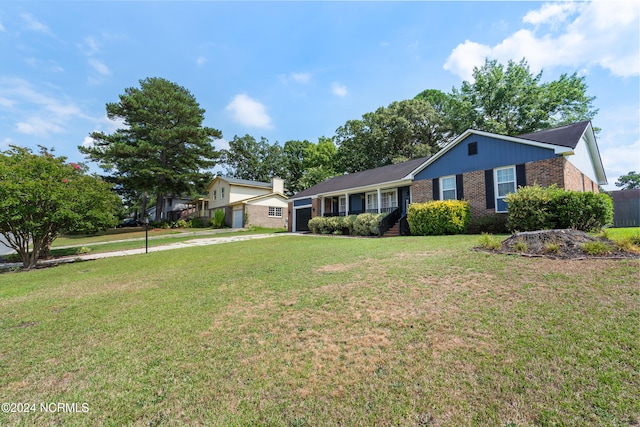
561	244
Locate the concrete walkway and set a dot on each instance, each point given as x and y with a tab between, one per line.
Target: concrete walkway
137	251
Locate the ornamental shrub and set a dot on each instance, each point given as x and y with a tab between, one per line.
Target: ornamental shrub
439	217
367	224
544	208
316	225
218	218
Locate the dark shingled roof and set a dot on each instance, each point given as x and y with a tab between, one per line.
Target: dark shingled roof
362	179
566	136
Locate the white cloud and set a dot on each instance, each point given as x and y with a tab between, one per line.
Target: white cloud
222	144
2	27
33	24
99	66
301	77
578	35
90	46
249	112
338	89
201	60
38	126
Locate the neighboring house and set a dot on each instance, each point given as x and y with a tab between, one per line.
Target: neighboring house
248	202
177	207
479	167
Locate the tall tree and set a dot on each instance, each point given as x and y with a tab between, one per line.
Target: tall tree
249	159
42	196
511	100
294	156
163	147
404	130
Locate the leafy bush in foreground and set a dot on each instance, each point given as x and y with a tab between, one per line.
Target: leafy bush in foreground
439	217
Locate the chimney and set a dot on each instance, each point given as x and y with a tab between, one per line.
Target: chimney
277	185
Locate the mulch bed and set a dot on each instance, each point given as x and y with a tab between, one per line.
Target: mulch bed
558	244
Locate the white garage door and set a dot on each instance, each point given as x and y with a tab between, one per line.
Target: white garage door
237	219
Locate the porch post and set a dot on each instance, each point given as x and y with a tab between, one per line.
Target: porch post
321	206
379	200
346	204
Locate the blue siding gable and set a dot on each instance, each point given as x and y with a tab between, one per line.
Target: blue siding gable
491	153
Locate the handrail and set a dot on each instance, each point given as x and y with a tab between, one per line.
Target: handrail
389	221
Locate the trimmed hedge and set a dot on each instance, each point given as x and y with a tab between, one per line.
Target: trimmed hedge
546	208
355	225
439	217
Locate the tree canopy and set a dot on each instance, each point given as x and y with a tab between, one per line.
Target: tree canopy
163	147
42	196
404	130
629	181
512	101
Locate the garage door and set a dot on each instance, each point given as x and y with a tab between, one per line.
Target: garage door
303	216
237	218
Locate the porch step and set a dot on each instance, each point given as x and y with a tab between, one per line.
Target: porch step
393	231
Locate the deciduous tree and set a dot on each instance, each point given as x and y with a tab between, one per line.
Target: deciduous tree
629	181
42	196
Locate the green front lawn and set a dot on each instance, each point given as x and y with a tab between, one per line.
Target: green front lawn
315	331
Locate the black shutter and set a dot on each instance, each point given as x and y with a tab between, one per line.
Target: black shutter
459	189
436	188
521	175
488	189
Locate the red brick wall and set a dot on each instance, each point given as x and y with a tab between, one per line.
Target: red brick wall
546	172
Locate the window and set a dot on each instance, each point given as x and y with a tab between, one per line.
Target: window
275	212
372	202
472	148
342	204
389	200
222	193
448	188
505	184
215	194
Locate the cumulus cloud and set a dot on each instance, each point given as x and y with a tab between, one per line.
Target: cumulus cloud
338	89
249	112
564	34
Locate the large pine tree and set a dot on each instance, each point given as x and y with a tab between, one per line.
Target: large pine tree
162	148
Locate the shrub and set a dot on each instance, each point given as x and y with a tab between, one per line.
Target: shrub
83	250
316	225
181	223
367	224
439	217
348	223
198	223
217	221
539	208
531	208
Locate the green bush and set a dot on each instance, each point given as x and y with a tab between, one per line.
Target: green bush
218	219
492	224
544	208
367	224
181	223
355	225
439	217
198	223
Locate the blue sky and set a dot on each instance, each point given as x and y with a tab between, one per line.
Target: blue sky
299	70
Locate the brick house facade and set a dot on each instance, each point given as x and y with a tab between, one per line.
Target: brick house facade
478	167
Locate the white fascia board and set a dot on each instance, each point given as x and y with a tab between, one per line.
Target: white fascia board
557	149
594	152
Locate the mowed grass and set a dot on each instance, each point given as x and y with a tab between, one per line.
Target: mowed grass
325	331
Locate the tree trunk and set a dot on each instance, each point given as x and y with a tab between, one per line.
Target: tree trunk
159	206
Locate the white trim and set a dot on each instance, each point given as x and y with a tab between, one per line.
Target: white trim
495	184
455	189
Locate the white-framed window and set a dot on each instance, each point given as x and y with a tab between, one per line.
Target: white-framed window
215	194
342	204
505	179
448	188
222	193
371	201
275	212
389	200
